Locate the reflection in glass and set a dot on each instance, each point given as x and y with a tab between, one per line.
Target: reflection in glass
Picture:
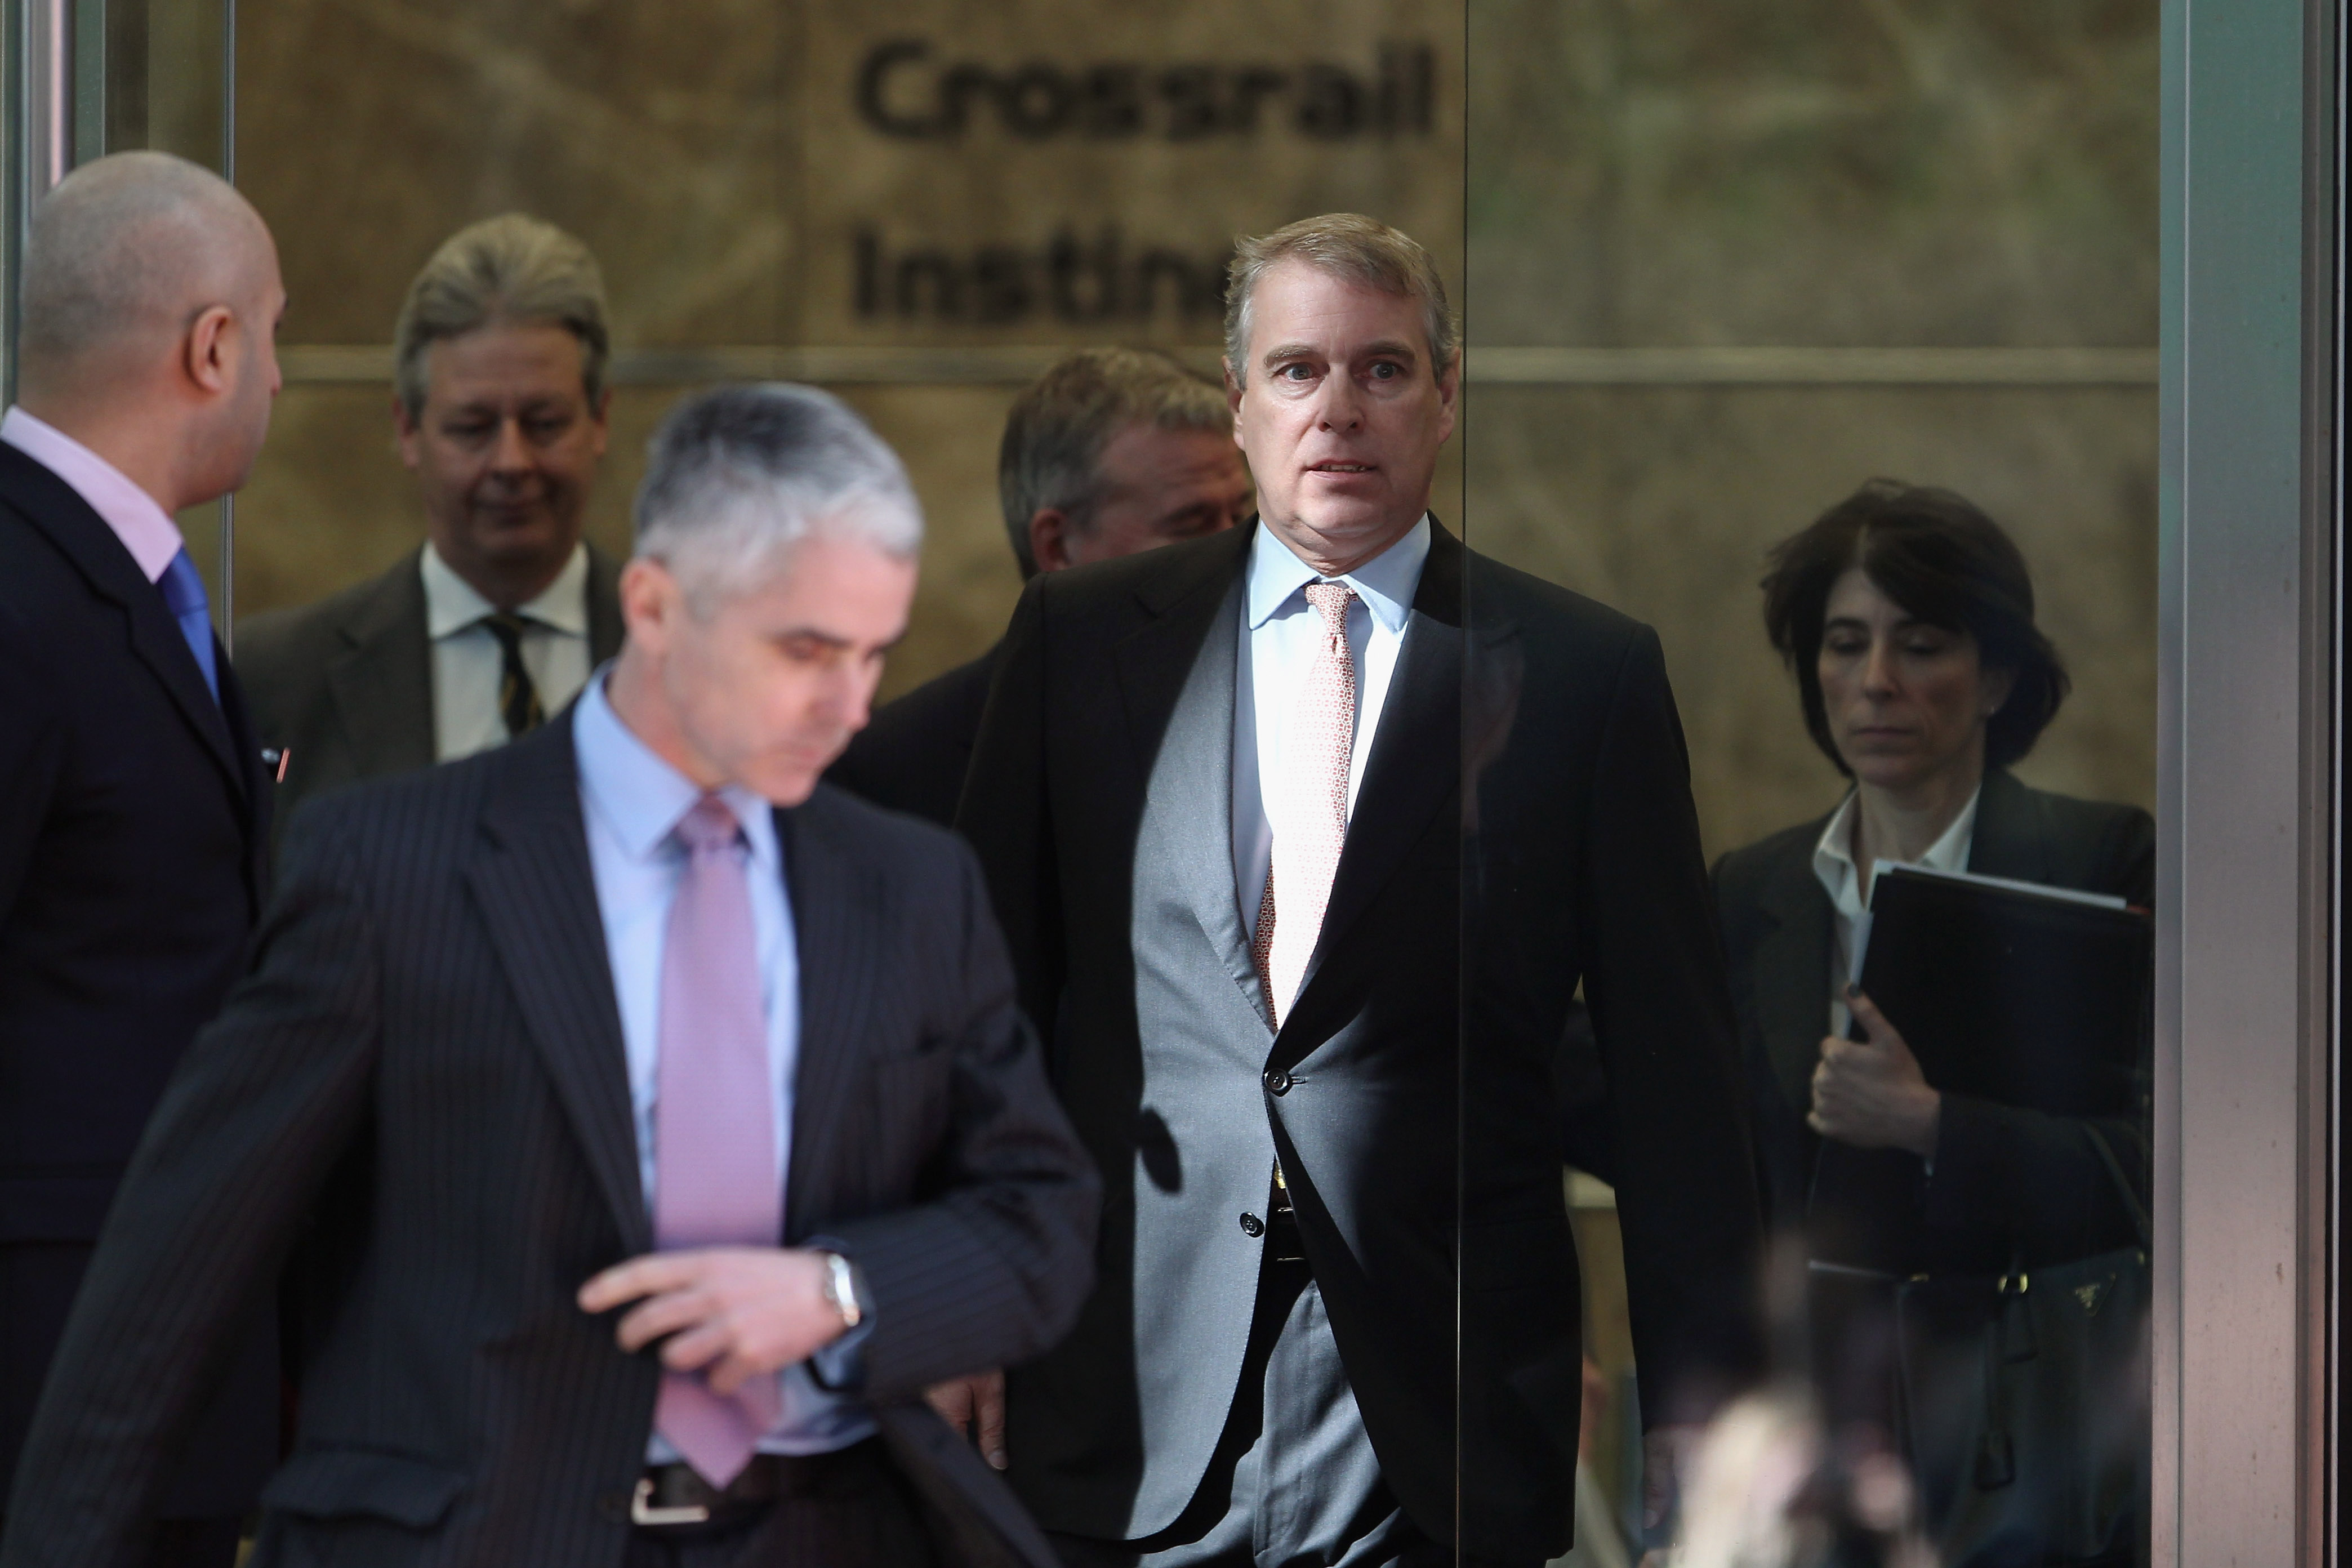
1950	1087
1723	268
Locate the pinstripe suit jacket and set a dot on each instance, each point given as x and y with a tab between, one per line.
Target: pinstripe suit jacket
418	1102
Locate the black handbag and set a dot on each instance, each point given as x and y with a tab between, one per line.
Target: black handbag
2024	1406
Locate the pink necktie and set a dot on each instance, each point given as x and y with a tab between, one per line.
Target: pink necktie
1310	818
714	1180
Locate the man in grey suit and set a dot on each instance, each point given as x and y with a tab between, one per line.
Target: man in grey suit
1304	959
647	1124
494	624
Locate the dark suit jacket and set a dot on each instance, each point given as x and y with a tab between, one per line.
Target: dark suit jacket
913	756
346	684
134	817
1410	1090
421	1095
2006	1179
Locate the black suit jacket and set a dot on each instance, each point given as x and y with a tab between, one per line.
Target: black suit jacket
913	755
345	686
421	1097
133	819
2006	1180
1458	928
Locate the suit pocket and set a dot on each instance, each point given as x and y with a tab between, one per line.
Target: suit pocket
364	1483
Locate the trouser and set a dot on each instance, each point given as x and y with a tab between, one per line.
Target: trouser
861	1514
1293	1480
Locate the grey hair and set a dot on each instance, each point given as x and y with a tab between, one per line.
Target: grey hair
127	246
1362	250
1055	437
736	477
512	267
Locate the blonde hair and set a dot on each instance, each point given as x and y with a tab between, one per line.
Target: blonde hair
1350	245
512	267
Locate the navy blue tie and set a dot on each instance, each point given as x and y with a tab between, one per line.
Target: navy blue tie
184	595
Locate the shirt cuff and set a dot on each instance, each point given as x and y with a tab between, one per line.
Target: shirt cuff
839	1367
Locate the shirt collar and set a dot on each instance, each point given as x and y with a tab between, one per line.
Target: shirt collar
145	529
1386	583
451	604
641	797
1834	852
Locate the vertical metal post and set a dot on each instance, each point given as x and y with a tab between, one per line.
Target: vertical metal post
228	173
40	85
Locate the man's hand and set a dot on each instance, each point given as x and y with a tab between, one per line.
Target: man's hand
1666	1454
1870	1093
977	1400
740	1312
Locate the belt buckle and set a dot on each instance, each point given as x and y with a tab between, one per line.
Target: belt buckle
643	1511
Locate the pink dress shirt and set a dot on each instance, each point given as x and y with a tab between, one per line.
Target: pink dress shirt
145	530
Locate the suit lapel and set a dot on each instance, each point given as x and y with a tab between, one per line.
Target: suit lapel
1415	764
2008	840
382	681
836	918
1154	661
532	878
56	508
1189	811
1791	974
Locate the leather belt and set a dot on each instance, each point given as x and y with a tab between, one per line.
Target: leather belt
672	1496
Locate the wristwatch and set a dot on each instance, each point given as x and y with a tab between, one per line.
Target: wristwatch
840	1287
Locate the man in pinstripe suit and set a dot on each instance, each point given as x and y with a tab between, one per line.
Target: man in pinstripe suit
643	1125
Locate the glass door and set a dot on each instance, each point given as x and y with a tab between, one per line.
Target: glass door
1823	341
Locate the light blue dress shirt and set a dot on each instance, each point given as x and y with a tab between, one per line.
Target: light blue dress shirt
1281	634
633	802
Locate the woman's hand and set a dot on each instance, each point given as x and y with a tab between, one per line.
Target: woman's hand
1870	1093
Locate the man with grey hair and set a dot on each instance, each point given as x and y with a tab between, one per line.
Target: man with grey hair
133	811
1111	452
1304	961
649	1122
491	626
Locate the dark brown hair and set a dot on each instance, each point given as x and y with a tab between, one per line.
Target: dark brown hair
1945	563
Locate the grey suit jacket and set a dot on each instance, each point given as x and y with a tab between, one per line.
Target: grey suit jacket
420	1096
1523	822
346	685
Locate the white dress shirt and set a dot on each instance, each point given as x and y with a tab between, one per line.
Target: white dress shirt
1280	636
1834	863
632	801
145	529
467	664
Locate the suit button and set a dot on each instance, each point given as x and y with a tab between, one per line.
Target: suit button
1277	1082
1253	1227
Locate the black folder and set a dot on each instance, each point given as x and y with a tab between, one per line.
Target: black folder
2011	992
2029	996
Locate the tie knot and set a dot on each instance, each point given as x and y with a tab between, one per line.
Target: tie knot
1331	601
184	586
709	827
508	628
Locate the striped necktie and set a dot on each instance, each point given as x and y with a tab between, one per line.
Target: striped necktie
517	698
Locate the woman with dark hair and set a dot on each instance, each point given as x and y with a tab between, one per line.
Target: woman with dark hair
1907	615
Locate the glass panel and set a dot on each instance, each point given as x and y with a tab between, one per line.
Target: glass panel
923	208
152	74
1725	268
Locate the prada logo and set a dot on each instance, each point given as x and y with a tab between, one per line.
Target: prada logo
2093	1296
